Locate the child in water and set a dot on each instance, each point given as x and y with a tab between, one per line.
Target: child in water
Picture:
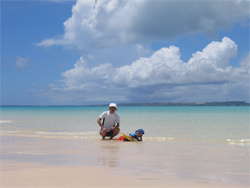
136	135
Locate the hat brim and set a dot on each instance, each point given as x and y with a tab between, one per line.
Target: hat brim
113	106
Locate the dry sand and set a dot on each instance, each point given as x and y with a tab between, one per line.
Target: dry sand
23	174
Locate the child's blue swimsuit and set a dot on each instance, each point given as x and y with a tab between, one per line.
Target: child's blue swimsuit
134	136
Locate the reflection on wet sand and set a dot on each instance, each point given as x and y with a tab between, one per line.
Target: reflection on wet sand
109	153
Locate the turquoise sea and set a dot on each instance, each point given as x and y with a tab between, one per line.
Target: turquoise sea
161	123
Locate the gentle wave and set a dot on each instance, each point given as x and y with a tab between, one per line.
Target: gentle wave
95	135
29	153
160	138
241	142
69	135
6	121
75	135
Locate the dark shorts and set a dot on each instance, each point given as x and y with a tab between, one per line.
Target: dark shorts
110	133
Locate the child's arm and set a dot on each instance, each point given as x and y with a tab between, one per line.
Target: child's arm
140	138
131	138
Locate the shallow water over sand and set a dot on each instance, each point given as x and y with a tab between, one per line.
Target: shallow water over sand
224	124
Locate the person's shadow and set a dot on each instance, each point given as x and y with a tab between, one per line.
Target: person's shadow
109	153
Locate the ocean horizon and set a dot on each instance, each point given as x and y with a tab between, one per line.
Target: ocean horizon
213	103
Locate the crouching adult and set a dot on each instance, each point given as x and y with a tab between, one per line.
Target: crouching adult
109	121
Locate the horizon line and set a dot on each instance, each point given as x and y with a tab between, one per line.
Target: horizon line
138	104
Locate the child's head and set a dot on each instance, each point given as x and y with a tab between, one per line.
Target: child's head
139	132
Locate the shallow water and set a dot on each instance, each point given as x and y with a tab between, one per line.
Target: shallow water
217	124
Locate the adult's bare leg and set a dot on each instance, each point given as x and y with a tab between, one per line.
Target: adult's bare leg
116	132
103	133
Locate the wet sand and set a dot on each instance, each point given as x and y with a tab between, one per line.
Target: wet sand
21	174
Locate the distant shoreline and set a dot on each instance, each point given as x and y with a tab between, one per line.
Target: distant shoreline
227	103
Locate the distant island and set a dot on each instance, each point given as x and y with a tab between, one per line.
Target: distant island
227	103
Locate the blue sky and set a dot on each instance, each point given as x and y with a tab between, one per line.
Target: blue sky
96	52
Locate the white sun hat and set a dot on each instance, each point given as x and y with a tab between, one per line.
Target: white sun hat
113	105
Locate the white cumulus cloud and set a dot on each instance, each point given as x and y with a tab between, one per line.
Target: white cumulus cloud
164	76
165	66
81	77
112	22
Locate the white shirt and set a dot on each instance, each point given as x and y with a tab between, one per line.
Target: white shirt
110	119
